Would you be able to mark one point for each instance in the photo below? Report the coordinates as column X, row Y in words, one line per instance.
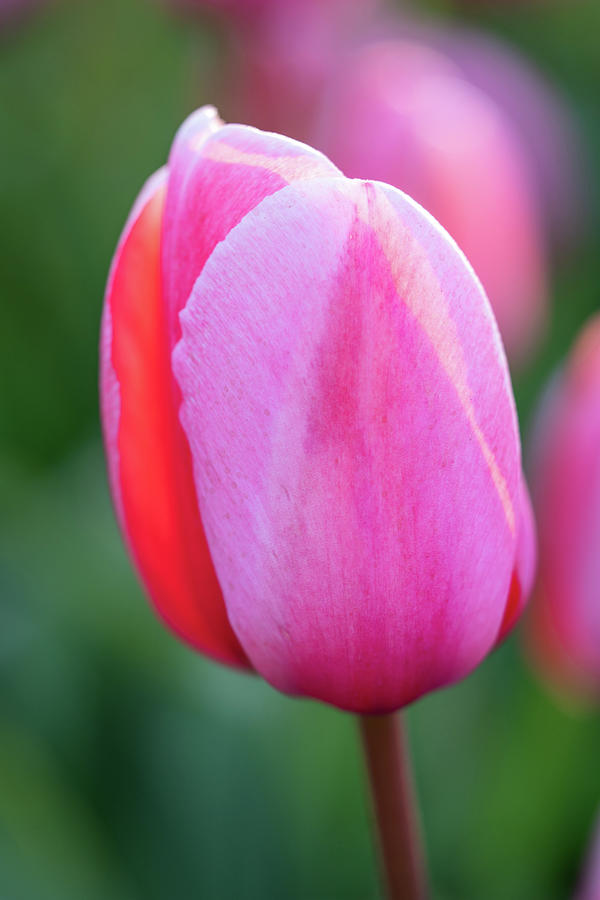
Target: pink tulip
column 279, row 54
column 402, row 112
column 305, row 369
column 539, row 116
column 565, row 620
column 281, row 59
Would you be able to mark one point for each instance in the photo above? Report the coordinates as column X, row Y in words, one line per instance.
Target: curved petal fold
column 218, row 173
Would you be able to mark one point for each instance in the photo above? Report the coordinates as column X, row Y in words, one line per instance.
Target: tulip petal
column 356, row 457
column 218, row 173
column 155, row 504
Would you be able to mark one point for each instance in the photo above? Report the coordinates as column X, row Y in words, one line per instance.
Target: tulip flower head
column 309, row 424
column 565, row 619
column 402, row 112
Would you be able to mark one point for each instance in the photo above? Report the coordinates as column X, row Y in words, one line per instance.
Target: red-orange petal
column 523, row 576
column 148, row 456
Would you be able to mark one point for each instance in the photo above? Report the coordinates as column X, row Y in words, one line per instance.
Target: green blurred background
column 130, row 767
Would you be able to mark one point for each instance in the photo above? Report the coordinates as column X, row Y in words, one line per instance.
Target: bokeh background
column 130, row 767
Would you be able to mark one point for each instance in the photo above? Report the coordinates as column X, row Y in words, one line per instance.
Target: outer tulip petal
column 110, row 397
column 218, row 173
column 355, row 448
column 157, row 510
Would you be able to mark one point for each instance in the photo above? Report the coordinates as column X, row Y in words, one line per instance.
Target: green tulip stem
column 394, row 808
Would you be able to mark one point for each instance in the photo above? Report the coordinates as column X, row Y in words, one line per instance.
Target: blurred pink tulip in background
column 402, row 112
column 454, row 117
column 348, row 426
column 565, row 461
column 280, row 61
column 541, row 118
